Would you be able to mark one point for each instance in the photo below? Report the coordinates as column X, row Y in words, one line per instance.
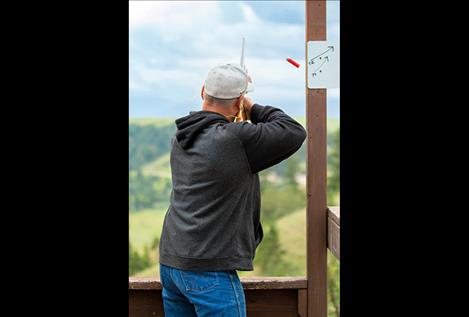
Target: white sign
column 323, row 64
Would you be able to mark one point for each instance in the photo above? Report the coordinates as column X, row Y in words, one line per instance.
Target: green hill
column 148, row 142
column 144, row 226
column 158, row 122
column 332, row 123
column 292, row 236
column 159, row 167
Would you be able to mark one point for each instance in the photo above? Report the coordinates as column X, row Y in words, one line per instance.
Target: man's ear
column 202, row 92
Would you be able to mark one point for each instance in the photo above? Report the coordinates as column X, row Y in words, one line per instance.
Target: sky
column 173, row 44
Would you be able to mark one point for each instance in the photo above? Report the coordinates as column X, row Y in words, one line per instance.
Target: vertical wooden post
column 316, row 177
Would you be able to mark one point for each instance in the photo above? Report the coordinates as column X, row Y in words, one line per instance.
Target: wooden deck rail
column 333, row 230
column 265, row 296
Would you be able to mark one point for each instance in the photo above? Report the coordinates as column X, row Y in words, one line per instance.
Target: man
column 212, row 227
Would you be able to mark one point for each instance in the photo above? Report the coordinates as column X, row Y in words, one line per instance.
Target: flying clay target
column 297, row 65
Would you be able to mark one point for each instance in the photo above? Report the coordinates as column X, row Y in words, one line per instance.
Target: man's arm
column 273, row 136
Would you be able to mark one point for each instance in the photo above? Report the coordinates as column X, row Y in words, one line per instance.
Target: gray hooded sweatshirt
column 213, row 221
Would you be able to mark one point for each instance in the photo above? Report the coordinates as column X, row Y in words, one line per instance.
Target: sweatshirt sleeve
column 272, row 137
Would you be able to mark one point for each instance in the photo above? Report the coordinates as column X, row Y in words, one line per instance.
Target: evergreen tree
column 269, row 254
column 138, row 262
column 156, row 242
column 292, row 171
column 333, row 168
column 141, row 191
column 333, row 285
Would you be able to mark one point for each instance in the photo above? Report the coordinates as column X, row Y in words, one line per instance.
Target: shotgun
column 242, row 114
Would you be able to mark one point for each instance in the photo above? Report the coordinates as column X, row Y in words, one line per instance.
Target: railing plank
column 334, row 214
column 333, row 231
column 249, row 283
column 259, row 303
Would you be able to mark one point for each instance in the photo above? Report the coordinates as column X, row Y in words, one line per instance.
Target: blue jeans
column 201, row 294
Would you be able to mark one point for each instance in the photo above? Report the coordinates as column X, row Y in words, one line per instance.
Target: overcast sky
column 173, row 44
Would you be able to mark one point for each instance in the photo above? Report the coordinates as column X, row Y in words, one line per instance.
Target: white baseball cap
column 227, row 81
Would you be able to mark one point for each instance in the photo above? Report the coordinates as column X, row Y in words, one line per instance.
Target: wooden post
column 316, row 177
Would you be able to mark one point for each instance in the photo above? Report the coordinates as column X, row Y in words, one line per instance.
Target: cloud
column 280, row 11
column 176, row 14
column 334, row 93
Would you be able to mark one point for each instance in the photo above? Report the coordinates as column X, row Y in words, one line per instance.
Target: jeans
column 202, row 294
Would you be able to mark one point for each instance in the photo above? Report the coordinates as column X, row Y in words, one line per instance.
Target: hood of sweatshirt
column 189, row 127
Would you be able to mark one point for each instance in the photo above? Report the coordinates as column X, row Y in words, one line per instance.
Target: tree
column 269, row 255
column 138, row 262
column 141, row 191
column 148, row 142
column 333, row 265
column 155, row 243
column 333, row 285
column 292, row 171
column 333, row 180
column 280, row 201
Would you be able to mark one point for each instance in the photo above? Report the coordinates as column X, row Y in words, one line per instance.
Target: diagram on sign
column 319, row 60
column 323, row 64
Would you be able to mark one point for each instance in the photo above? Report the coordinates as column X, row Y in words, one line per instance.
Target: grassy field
column 292, row 236
column 159, row 167
column 145, row 225
column 152, row 121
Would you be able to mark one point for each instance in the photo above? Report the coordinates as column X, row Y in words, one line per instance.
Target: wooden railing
column 265, row 296
column 333, row 230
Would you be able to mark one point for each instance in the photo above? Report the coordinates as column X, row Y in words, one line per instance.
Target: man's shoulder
column 240, row 130
column 222, row 134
